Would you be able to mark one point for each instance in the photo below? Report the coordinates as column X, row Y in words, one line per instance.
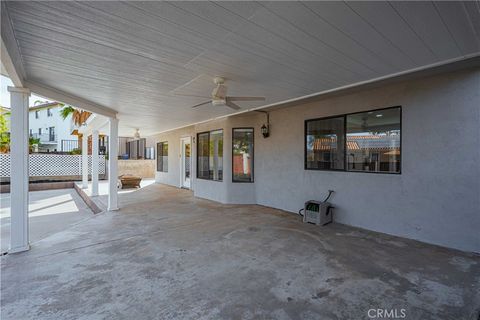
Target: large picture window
column 325, row 144
column 242, row 154
column 365, row 141
column 162, row 156
column 136, row 149
column 210, row 155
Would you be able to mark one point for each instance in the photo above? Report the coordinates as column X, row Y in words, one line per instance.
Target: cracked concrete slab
column 168, row 255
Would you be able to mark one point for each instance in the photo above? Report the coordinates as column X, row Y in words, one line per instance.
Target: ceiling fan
column 220, row 98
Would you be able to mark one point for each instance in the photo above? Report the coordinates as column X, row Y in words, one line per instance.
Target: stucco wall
column 436, row 199
column 172, row 177
column 139, row 168
column 224, row 191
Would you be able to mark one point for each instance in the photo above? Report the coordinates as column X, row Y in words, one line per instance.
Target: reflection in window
column 210, row 155
column 325, row 144
column 242, row 162
column 162, row 156
column 187, row 160
column 202, row 155
column 149, row 153
column 136, row 148
column 373, row 141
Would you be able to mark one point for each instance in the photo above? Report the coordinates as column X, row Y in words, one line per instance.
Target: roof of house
column 45, row 105
column 377, row 142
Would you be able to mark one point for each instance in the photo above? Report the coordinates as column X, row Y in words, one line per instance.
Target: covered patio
column 252, row 111
column 169, row 255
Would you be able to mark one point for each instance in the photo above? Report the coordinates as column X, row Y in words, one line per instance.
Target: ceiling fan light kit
column 220, row 98
column 136, row 135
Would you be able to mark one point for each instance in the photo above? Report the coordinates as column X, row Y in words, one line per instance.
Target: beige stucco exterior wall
column 435, row 199
column 139, row 168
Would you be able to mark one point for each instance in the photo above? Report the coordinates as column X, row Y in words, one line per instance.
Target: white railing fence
column 48, row 165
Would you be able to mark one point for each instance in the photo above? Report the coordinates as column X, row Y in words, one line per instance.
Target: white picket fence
column 48, row 165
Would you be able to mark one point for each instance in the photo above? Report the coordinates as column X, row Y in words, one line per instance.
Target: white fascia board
column 59, row 95
column 9, row 52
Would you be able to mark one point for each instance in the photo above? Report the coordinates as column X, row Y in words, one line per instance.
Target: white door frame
column 182, row 165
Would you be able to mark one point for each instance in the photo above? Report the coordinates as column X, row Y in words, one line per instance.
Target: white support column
column 112, row 164
column 85, row 161
column 95, row 163
column 19, row 152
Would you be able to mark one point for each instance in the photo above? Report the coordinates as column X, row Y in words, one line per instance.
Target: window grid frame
column 253, row 155
column 345, row 160
column 161, row 157
column 208, row 158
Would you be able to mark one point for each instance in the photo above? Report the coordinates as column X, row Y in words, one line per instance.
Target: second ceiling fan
column 220, row 98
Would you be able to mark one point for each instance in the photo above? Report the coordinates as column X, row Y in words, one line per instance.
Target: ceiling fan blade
column 232, row 105
column 201, row 104
column 190, row 95
column 246, row 98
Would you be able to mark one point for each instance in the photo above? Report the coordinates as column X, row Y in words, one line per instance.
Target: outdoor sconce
column 265, row 129
column 265, row 132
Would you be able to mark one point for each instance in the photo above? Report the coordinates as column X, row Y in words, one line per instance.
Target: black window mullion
column 345, row 160
column 208, row 156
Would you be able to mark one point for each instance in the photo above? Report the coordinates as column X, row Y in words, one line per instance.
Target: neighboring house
column 54, row 132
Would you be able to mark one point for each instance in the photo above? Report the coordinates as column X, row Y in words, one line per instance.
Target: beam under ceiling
column 9, row 53
column 60, row 96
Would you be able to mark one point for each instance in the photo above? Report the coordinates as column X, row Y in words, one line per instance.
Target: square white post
column 19, row 153
column 84, row 161
column 95, row 163
column 112, row 164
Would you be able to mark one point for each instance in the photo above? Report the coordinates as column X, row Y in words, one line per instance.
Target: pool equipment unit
column 318, row 212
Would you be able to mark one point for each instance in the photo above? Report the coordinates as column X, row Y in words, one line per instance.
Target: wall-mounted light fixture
column 265, row 132
column 265, row 129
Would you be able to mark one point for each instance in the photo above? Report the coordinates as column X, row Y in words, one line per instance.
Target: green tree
column 4, row 134
column 79, row 117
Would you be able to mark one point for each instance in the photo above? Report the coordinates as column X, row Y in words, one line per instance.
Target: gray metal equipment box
column 320, row 213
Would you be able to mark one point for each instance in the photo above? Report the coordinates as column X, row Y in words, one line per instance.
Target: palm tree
column 79, row 117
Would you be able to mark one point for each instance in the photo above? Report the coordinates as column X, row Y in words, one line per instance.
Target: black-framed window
column 242, row 154
column 162, row 156
column 49, row 112
column 37, row 114
column 149, row 153
column 367, row 141
column 210, row 155
column 136, row 149
column 51, row 134
column 324, row 143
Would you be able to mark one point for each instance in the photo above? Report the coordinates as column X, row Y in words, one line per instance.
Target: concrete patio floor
column 50, row 211
column 102, row 199
column 168, row 255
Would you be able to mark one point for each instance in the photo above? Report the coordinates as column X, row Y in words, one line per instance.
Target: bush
column 76, row 151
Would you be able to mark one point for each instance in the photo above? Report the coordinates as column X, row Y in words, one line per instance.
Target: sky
column 5, row 95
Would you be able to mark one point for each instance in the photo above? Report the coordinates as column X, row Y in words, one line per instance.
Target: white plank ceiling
column 147, row 59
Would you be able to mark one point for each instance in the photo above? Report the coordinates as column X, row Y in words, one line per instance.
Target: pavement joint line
column 107, row 241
